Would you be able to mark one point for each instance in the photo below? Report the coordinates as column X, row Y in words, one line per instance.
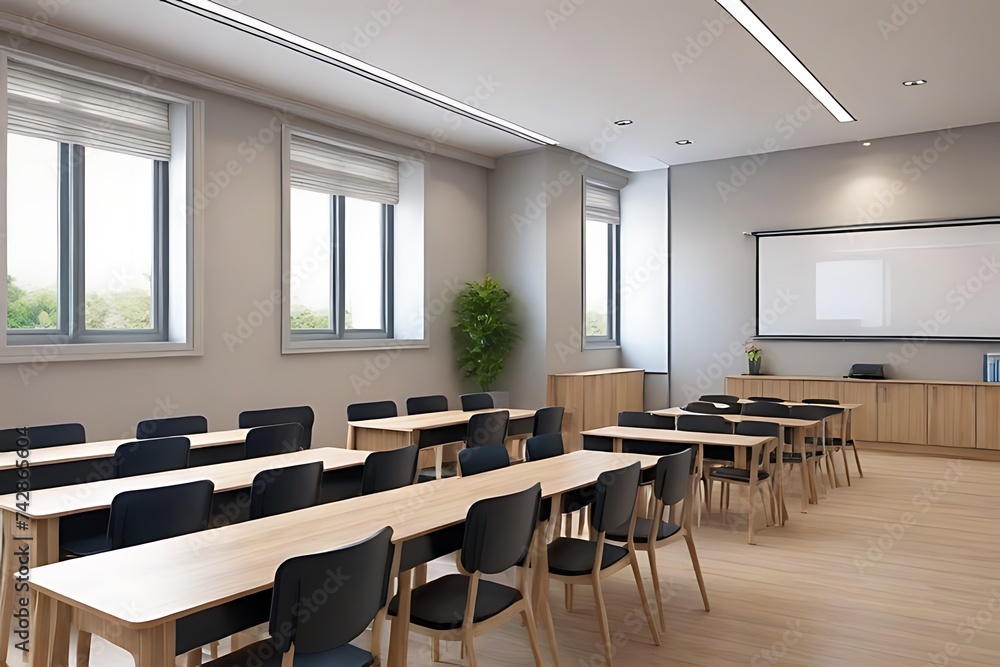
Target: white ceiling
column 567, row 75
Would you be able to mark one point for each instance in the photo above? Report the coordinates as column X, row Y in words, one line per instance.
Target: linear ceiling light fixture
column 256, row 27
column 749, row 20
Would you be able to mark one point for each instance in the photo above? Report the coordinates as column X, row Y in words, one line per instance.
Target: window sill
column 601, row 345
column 43, row 354
column 351, row 345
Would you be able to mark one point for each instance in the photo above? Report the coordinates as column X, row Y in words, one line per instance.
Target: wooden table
column 90, row 461
column 114, row 595
column 45, row 508
column 798, row 428
column 432, row 429
column 699, row 440
column 846, row 408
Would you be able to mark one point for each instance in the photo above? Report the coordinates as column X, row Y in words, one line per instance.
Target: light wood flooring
column 903, row 568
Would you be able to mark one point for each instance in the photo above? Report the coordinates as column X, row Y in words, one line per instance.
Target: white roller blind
column 340, row 171
column 51, row 105
column 602, row 203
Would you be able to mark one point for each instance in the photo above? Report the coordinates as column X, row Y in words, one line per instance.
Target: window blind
column 602, row 204
column 336, row 170
column 46, row 104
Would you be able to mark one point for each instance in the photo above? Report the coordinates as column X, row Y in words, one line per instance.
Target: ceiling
column 567, row 68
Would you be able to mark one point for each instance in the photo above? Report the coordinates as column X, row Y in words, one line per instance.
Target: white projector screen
column 928, row 281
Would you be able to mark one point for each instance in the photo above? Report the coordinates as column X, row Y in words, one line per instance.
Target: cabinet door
column 752, row 388
column 864, row 420
column 628, row 393
column 951, row 415
column 902, row 413
column 735, row 387
column 567, row 391
column 988, row 418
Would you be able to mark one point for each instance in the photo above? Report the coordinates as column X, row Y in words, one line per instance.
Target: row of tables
column 135, row 597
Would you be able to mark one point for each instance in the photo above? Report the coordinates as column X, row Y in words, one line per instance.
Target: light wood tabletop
column 106, row 448
column 408, row 423
column 196, row 572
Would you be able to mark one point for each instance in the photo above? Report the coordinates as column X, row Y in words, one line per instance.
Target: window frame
column 338, row 282
column 612, row 339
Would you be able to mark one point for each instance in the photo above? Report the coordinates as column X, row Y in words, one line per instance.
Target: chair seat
column 87, row 546
column 265, row 654
column 830, row 442
column 792, row 457
column 737, row 474
column 570, row 557
column 642, row 526
column 440, row 604
column 448, row 469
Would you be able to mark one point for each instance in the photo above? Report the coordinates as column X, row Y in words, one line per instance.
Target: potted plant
column 485, row 331
column 753, row 356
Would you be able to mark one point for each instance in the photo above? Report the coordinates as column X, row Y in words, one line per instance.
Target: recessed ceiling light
column 749, row 20
column 250, row 25
column 684, row 142
column 623, row 122
column 915, row 82
column 867, row 143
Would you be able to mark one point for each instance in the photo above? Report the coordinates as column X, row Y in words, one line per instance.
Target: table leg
column 155, row 646
column 799, row 437
column 754, row 467
column 616, row 445
column 399, row 642
column 779, row 473
column 39, row 540
column 699, row 471
column 350, row 437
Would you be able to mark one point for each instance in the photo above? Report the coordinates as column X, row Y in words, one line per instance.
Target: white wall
column 952, row 174
column 242, row 259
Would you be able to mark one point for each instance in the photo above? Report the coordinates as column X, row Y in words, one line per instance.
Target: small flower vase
column 754, row 366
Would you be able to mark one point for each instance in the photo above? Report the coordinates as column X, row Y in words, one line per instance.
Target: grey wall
column 952, row 174
column 241, row 251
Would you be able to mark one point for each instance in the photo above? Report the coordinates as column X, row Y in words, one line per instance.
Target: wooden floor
column 903, row 568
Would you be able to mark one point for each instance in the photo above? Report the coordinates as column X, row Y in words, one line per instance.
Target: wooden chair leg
column 529, row 622
column 438, row 461
column 213, row 650
column 550, row 627
column 654, row 573
column 857, row 461
column 708, row 495
column 435, row 649
column 645, row 600
column 193, row 658
column 847, row 470
column 83, row 640
column 602, row 619
column 470, row 649
column 697, row 568
column 569, row 597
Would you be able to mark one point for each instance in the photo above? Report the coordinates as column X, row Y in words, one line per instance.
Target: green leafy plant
column 485, row 332
column 753, row 352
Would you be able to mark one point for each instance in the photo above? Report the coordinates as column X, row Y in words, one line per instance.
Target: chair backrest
column 302, row 414
column 759, row 429
column 720, row 398
column 147, row 515
column 39, row 437
column 354, row 580
column 482, row 459
column 645, row 420
column 544, row 446
column 390, row 469
column 498, row 531
column 821, row 401
column 274, row 439
column 765, row 409
column 704, row 424
column 287, row 489
column 548, row 420
column 421, row 405
column 812, row 411
column 615, row 502
column 145, row 457
column 706, row 408
column 767, row 399
column 487, row 428
column 359, row 412
column 673, row 476
column 170, row 427
column 477, row 401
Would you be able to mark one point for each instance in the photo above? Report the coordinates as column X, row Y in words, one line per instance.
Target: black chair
column 359, row 412
column 579, row 561
column 147, row 515
column 298, row 415
column 39, row 437
column 548, row 446
column 482, row 459
column 548, row 420
column 734, row 475
column 647, row 420
column 487, row 428
column 477, row 401
column 712, row 455
column 170, row 427
column 390, row 469
column 767, row 399
column 421, row 405
column 822, row 445
column 274, row 440
column 145, row 457
column 498, row 536
column 706, row 408
column 322, row 627
column 671, row 489
column 544, row 446
column 766, row 409
column 840, row 442
column 720, row 398
column 288, row 489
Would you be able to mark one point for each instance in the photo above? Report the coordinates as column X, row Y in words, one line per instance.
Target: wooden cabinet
column 988, row 418
column 864, row 424
column 594, row 398
column 951, row 415
column 902, row 413
column 745, row 387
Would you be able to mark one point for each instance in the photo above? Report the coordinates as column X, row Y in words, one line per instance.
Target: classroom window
column 341, row 211
column 600, row 264
column 86, row 214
